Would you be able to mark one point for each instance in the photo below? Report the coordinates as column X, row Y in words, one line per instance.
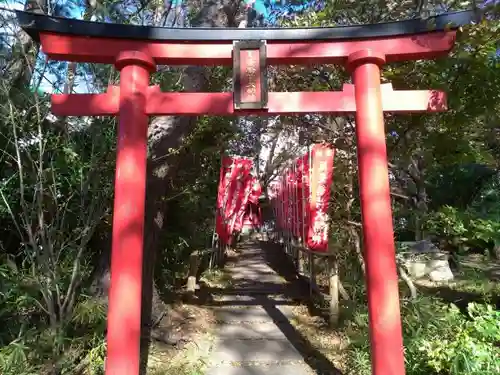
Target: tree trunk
column 167, row 133
column 20, row 70
column 496, row 252
column 354, row 237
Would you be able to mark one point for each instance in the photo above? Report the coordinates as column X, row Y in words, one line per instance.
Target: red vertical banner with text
column 275, row 192
column 306, row 195
column 232, row 196
column 289, row 183
column 244, row 188
column 283, row 198
column 233, row 191
column 299, row 200
column 295, row 228
column 251, row 214
column 285, row 202
column 276, row 204
column 292, row 199
column 254, row 201
column 281, row 203
column 271, row 193
column 321, row 180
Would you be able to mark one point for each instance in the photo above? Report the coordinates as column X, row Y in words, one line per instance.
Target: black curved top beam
column 34, row 24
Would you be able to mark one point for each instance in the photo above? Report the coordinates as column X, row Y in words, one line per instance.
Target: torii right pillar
column 378, row 234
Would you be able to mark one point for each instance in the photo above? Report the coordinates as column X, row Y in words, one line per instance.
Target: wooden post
column 194, row 263
column 333, row 267
column 312, row 273
column 300, row 260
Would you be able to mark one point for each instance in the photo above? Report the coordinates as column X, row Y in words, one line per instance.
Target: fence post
column 312, row 273
column 300, row 260
column 333, row 268
column 194, row 262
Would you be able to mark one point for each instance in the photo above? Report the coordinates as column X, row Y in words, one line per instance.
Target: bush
column 463, row 230
column 438, row 339
column 469, row 347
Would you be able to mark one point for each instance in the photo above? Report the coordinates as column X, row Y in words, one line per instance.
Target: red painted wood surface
column 102, row 50
column 378, row 235
column 125, row 292
column 199, row 103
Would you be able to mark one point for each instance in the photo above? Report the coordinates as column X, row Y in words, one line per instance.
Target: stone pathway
column 253, row 336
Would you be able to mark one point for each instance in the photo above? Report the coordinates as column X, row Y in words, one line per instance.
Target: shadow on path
column 284, row 266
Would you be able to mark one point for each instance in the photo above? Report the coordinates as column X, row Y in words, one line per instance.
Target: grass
column 217, row 278
column 192, row 360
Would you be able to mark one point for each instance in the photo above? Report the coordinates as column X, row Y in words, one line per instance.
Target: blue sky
column 74, row 11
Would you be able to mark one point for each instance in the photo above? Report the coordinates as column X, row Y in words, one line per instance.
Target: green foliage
column 28, row 345
column 449, row 223
column 191, row 205
column 438, row 339
column 463, row 230
column 468, row 347
column 458, row 185
column 55, row 192
column 486, row 203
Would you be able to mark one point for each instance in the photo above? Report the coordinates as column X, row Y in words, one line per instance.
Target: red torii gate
column 135, row 51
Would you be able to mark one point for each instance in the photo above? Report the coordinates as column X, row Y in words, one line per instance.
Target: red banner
column 289, row 200
column 234, row 173
column 321, row 180
column 301, row 195
column 300, row 199
column 244, row 186
column 253, row 208
column 237, row 187
column 255, row 192
column 293, row 187
column 306, row 196
column 252, row 216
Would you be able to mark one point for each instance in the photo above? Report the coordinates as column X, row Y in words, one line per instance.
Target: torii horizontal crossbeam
column 75, row 40
column 105, row 50
column 35, row 24
column 221, row 103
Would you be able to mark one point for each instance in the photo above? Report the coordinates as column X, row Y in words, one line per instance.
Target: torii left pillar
column 124, row 310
